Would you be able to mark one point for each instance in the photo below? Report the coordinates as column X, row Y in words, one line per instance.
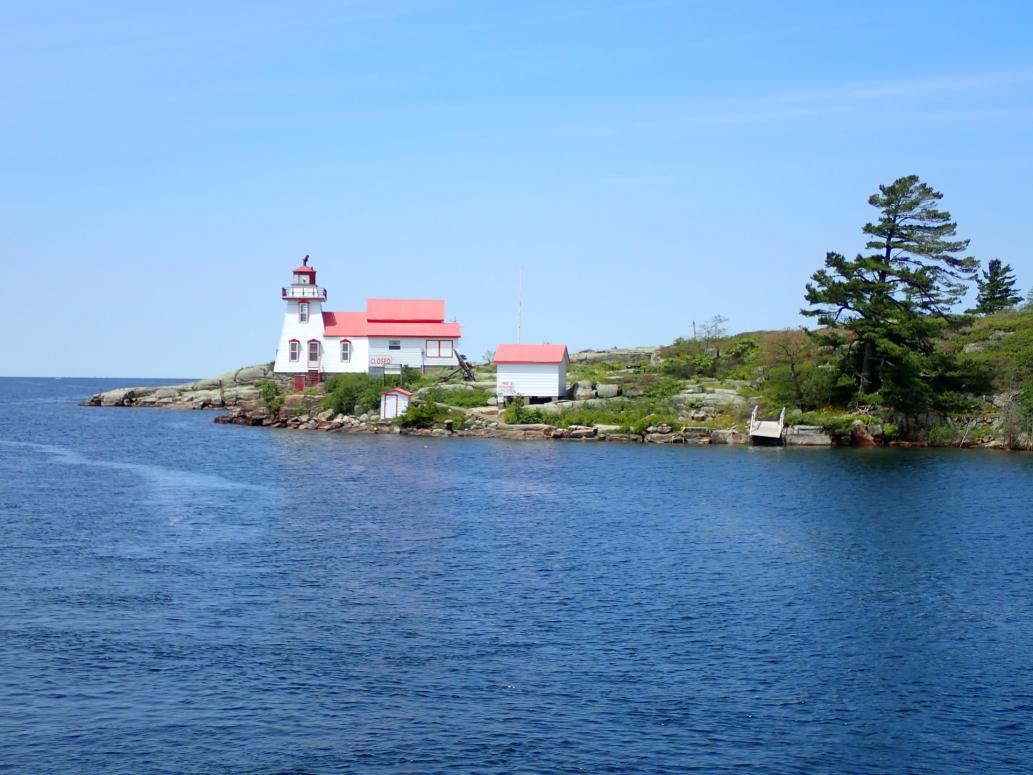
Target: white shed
column 531, row 370
column 394, row 402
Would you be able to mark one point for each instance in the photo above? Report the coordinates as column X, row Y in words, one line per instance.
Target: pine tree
column 996, row 289
column 888, row 298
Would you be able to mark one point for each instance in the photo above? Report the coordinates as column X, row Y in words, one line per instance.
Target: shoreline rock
column 234, row 388
column 237, row 391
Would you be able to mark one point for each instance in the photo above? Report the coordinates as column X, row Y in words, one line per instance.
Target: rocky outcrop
column 621, row 355
column 808, row 436
column 234, row 388
column 728, row 436
column 701, row 403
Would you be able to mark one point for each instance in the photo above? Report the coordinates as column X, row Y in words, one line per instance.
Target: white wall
column 366, row 352
column 411, row 353
column 531, row 379
column 294, row 329
column 388, row 407
column 332, row 363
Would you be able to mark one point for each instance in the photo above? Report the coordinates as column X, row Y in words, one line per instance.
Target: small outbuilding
column 531, row 370
column 394, row 403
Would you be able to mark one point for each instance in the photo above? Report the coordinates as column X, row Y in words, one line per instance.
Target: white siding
column 393, row 405
column 411, row 354
column 293, row 328
column 332, row 363
column 531, row 379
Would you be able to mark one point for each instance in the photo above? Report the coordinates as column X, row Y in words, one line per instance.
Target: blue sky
column 645, row 164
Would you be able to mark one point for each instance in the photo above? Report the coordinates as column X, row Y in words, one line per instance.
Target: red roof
column 403, row 391
column 344, row 324
column 304, row 270
column 433, row 330
column 356, row 324
column 406, row 310
column 530, row 353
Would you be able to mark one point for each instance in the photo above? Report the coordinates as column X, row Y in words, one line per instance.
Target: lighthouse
column 301, row 338
column 391, row 334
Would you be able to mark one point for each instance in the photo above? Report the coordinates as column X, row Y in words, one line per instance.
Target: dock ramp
column 767, row 432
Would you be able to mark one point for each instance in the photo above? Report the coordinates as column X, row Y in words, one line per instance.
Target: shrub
column 466, row 396
column 353, row 393
column 833, row 423
column 427, row 414
column 270, row 395
column 516, row 413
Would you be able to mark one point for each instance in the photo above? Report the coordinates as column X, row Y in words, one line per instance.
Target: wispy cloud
column 922, row 87
column 983, row 96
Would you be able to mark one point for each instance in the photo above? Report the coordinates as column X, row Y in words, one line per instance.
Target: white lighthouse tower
column 301, row 339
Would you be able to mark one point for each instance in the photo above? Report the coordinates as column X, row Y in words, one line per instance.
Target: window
column 346, row 350
column 439, row 348
column 313, row 351
column 295, row 351
column 394, row 344
column 303, row 312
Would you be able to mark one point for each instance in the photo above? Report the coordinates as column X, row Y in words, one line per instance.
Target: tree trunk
column 868, row 368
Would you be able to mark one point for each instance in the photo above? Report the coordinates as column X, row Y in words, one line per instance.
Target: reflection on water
column 181, row 596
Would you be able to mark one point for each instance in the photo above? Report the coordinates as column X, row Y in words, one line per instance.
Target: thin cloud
column 911, row 88
column 848, row 99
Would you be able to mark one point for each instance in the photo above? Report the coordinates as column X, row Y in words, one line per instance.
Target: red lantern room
column 303, row 284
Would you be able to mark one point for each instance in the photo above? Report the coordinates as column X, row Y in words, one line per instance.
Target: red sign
column 382, row 361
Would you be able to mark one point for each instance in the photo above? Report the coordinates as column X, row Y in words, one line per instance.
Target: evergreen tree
column 996, row 289
column 890, row 298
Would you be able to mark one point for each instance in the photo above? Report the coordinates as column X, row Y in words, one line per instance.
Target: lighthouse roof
column 304, row 270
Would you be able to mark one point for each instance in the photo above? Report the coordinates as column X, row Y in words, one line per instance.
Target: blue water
column 178, row 596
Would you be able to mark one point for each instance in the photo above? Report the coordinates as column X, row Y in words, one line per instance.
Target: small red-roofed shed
column 394, row 403
column 531, row 370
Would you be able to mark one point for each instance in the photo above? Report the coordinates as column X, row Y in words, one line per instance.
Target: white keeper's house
column 531, row 370
column 389, row 334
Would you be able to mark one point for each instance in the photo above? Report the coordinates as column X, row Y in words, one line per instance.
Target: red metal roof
column 344, row 324
column 304, row 270
column 356, row 324
column 406, row 310
column 530, row 353
column 403, row 391
column 432, row 330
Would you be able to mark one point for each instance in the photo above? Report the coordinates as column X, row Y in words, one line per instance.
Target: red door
column 299, row 383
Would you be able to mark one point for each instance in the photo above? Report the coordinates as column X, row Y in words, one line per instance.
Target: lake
column 180, row 596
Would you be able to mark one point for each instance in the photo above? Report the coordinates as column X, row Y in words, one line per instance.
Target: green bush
column 516, row 413
column 833, row 423
column 270, row 395
column 466, row 396
column 427, row 414
column 353, row 393
column 944, row 435
column 628, row 416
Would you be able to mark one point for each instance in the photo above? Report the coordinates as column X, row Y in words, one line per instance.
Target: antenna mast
column 520, row 307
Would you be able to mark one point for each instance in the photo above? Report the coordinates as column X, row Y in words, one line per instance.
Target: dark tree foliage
column 996, row 289
column 893, row 299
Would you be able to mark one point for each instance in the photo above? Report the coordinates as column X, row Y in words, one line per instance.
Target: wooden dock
column 767, row 432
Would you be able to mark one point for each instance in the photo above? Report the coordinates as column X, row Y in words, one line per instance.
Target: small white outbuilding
column 394, row 402
column 531, row 370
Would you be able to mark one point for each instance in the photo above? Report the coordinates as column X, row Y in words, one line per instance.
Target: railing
column 303, row 292
column 757, row 425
